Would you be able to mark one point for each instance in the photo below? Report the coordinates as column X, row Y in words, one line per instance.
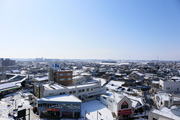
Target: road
column 148, row 99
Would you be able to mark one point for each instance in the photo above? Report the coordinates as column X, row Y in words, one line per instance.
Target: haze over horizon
column 67, row 29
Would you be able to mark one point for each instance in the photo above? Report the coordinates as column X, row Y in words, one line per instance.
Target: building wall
column 52, row 109
column 79, row 80
column 64, row 78
column 110, row 103
column 170, row 86
column 116, row 107
column 61, row 77
column 80, row 92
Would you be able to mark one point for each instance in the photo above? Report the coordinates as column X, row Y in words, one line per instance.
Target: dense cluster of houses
column 127, row 89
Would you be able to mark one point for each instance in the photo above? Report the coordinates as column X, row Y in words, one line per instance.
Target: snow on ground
column 95, row 109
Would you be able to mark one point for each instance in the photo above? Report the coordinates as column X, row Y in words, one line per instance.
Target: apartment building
column 63, row 77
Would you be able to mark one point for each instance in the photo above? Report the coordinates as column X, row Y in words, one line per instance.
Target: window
column 68, row 78
column 91, row 89
column 167, row 88
column 79, row 90
column 63, row 93
column 124, row 105
column 82, row 90
column 44, row 105
column 76, row 114
column 62, row 79
column 50, row 105
column 74, row 91
column 87, row 89
column 177, row 88
column 40, row 105
column 61, row 74
column 104, row 97
column 68, row 74
column 70, row 92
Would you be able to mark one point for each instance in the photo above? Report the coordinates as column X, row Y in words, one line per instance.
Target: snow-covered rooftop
column 155, row 82
column 164, row 96
column 61, row 98
column 113, row 85
column 8, row 85
column 41, row 78
column 173, row 113
column 103, row 81
column 53, row 86
column 80, row 86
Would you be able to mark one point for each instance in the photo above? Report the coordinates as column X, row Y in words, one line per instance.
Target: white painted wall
column 170, row 86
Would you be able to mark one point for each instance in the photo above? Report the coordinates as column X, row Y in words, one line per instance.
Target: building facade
column 57, row 107
column 118, row 104
column 170, row 85
column 63, row 77
column 83, row 92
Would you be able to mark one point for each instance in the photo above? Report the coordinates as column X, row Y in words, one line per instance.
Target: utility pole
column 85, row 114
column 97, row 115
column 29, row 113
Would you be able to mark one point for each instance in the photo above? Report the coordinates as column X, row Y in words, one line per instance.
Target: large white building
column 170, row 85
column 88, row 91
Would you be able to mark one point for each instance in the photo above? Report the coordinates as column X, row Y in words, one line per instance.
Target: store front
column 60, row 109
column 125, row 111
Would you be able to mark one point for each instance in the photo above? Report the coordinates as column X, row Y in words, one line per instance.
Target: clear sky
column 90, row 29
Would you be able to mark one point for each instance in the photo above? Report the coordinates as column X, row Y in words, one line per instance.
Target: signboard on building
column 52, row 109
column 125, row 112
column 37, row 92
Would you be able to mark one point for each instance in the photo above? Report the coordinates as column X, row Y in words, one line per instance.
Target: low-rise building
column 119, row 104
column 166, row 100
column 7, row 88
column 165, row 114
column 85, row 92
column 61, row 106
column 63, row 77
column 170, row 85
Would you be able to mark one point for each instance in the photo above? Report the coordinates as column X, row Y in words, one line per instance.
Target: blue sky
column 90, row 29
